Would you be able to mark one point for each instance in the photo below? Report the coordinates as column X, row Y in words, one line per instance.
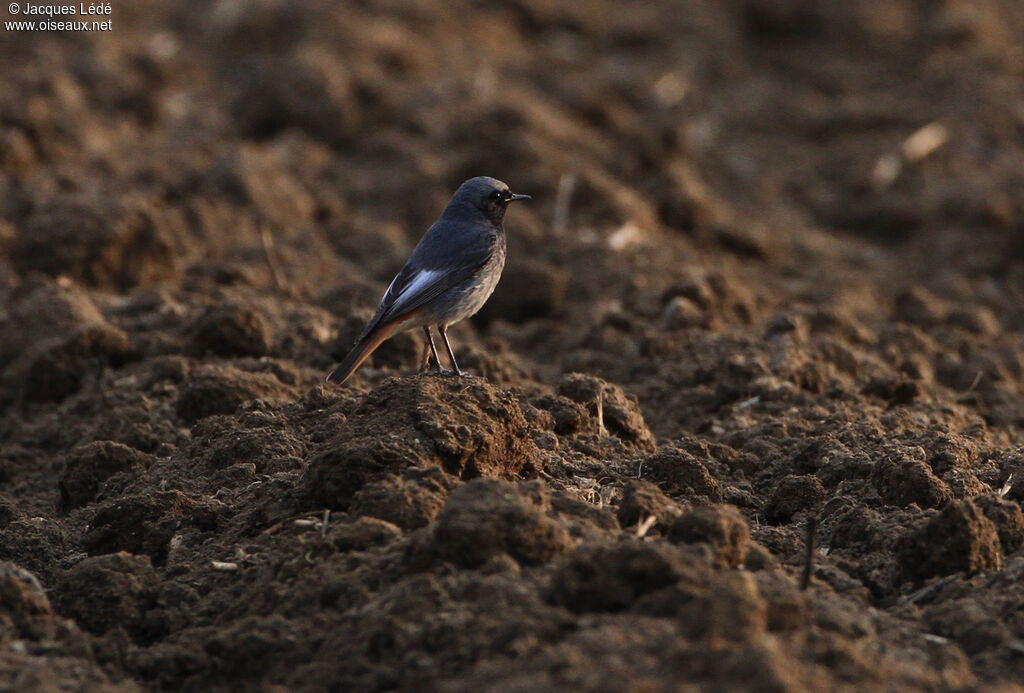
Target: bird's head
column 484, row 195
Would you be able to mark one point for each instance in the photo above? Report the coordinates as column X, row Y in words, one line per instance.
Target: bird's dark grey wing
column 443, row 259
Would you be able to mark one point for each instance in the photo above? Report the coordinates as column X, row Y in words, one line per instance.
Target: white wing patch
column 390, row 286
column 418, row 283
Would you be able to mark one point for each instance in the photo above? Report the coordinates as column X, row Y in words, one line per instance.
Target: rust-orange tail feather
column 360, row 352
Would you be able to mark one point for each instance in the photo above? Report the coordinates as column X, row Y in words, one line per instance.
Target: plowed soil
column 762, row 325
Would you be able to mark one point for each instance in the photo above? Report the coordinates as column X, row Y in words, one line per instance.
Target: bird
column 449, row 276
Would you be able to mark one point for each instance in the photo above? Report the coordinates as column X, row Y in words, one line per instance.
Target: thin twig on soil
column 270, row 253
column 928, row 590
column 812, row 528
column 563, row 198
column 974, row 383
column 1007, row 485
column 645, row 526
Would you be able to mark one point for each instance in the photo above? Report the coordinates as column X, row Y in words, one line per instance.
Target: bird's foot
column 445, row 373
column 440, row 372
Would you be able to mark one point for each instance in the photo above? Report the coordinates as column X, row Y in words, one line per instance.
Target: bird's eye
column 496, row 195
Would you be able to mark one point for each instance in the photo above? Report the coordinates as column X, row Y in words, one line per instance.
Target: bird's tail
column 360, row 352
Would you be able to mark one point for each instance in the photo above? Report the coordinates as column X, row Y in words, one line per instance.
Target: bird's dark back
column 457, row 240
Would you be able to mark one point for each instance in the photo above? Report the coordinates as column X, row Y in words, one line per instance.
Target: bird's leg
column 428, row 348
column 425, row 358
column 451, row 354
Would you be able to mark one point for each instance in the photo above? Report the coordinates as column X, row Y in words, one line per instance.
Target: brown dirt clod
column 232, row 330
column 680, row 474
column 222, row 389
column 109, row 591
column 614, row 578
column 488, row 517
column 902, row 481
column 641, row 500
column 793, row 494
column 467, row 427
column 89, row 465
column 721, row 527
column 145, row 524
column 619, row 412
column 960, row 538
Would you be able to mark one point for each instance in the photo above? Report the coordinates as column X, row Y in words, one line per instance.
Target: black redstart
column 449, row 276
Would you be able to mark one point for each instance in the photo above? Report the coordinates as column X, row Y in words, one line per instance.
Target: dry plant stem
column 563, row 199
column 270, row 253
column 812, row 528
column 930, row 589
column 644, row 527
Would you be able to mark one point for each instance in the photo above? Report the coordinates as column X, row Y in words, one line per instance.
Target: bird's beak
column 516, row 198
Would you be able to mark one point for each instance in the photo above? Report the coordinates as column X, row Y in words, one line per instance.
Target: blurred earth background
column 773, row 273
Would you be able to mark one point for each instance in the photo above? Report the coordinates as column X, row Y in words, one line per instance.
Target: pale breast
column 466, row 299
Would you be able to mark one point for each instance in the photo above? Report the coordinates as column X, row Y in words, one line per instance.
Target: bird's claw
column 445, row 373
